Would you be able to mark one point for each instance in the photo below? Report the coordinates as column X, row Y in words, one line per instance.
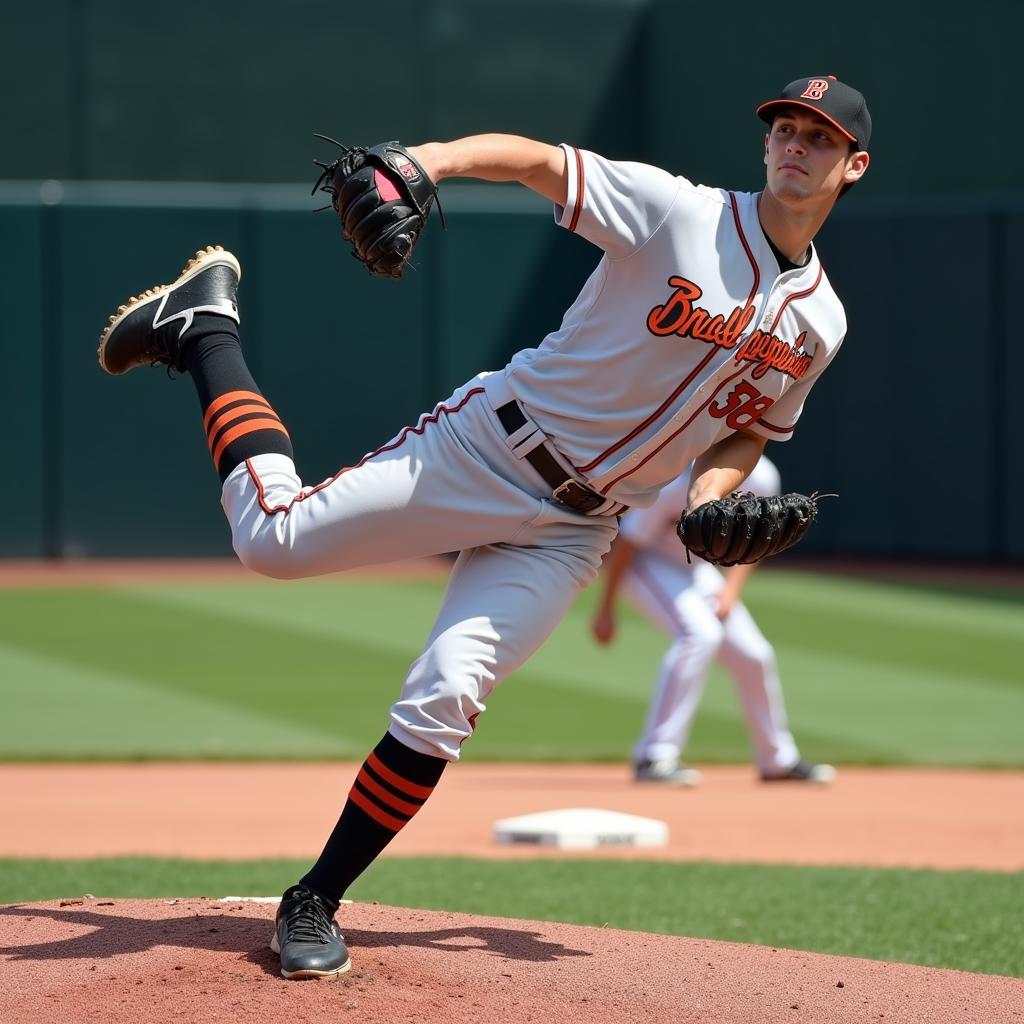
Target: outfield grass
column 971, row 921
column 873, row 673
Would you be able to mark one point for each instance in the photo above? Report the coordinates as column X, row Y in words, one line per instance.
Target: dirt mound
column 204, row 960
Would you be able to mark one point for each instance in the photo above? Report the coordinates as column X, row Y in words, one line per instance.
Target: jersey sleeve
column 642, row 527
column 616, row 205
column 779, row 422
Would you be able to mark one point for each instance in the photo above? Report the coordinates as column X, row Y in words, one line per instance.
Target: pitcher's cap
column 837, row 103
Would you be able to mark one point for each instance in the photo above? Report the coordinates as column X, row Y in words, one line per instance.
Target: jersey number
column 743, row 406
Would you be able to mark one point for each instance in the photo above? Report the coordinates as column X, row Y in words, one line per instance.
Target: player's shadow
column 513, row 943
column 112, row 935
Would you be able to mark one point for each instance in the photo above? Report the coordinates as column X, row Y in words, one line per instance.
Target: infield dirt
column 871, row 817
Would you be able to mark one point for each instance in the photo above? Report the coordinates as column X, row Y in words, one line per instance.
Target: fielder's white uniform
column 686, row 332
column 680, row 599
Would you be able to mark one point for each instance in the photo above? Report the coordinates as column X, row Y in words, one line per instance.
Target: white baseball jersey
column 686, row 331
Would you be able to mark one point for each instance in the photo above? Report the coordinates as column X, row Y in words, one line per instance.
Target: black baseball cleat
column 308, row 940
column 150, row 328
column 804, row 771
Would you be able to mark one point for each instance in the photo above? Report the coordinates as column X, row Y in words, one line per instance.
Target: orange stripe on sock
column 241, row 430
column 227, row 399
column 381, row 817
column 407, row 787
column 364, row 779
column 232, row 414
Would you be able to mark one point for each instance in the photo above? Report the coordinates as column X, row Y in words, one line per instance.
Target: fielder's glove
column 382, row 197
column 745, row 528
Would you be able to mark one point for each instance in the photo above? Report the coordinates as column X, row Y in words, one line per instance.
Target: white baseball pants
column 451, row 483
column 680, row 599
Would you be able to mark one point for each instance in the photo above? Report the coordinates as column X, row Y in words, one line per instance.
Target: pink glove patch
column 385, row 186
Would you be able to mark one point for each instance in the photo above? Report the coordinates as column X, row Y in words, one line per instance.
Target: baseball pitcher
column 699, row 336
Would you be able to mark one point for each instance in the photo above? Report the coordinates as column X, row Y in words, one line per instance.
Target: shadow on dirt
column 222, row 930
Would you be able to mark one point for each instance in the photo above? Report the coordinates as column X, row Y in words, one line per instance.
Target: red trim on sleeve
column 580, row 186
column 771, row 426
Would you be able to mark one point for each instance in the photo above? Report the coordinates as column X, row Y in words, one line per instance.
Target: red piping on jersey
column 796, row 295
column 640, row 427
column 654, row 415
column 303, row 495
column 778, row 316
column 743, row 239
column 778, row 430
column 580, row 183
column 647, row 458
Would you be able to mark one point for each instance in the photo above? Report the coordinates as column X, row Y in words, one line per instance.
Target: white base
column 581, row 828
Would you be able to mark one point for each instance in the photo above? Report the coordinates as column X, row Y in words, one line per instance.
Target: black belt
column 565, row 489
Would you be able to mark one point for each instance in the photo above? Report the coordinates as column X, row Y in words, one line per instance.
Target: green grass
column 872, row 672
column 971, row 921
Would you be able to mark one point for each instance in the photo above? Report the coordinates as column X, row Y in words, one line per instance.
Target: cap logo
column 816, row 89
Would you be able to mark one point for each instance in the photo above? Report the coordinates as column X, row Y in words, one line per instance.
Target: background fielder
column 708, row 310
column 701, row 610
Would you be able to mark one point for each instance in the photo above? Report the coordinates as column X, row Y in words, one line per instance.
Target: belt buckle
column 577, row 497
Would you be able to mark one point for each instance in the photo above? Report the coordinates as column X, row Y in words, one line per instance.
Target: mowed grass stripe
column 970, row 921
column 57, row 711
column 967, row 636
column 307, row 679
column 316, row 683
column 330, row 656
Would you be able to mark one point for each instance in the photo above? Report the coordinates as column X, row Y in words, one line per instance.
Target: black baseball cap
column 837, row 103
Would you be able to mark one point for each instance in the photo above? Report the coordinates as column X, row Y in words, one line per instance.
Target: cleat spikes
column 132, row 338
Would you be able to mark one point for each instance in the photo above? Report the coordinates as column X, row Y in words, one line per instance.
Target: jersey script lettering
column 681, row 316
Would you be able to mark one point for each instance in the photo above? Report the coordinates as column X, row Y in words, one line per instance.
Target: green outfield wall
column 114, row 89
column 111, row 109
column 919, row 411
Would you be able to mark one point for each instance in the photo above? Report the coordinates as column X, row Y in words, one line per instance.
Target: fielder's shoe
column 150, row 328
column 804, row 771
column 666, row 772
column 307, row 938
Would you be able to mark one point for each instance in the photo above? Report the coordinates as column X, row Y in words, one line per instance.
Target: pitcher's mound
column 202, row 961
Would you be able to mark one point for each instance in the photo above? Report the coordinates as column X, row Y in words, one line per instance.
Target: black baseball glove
column 745, row 528
column 382, row 197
